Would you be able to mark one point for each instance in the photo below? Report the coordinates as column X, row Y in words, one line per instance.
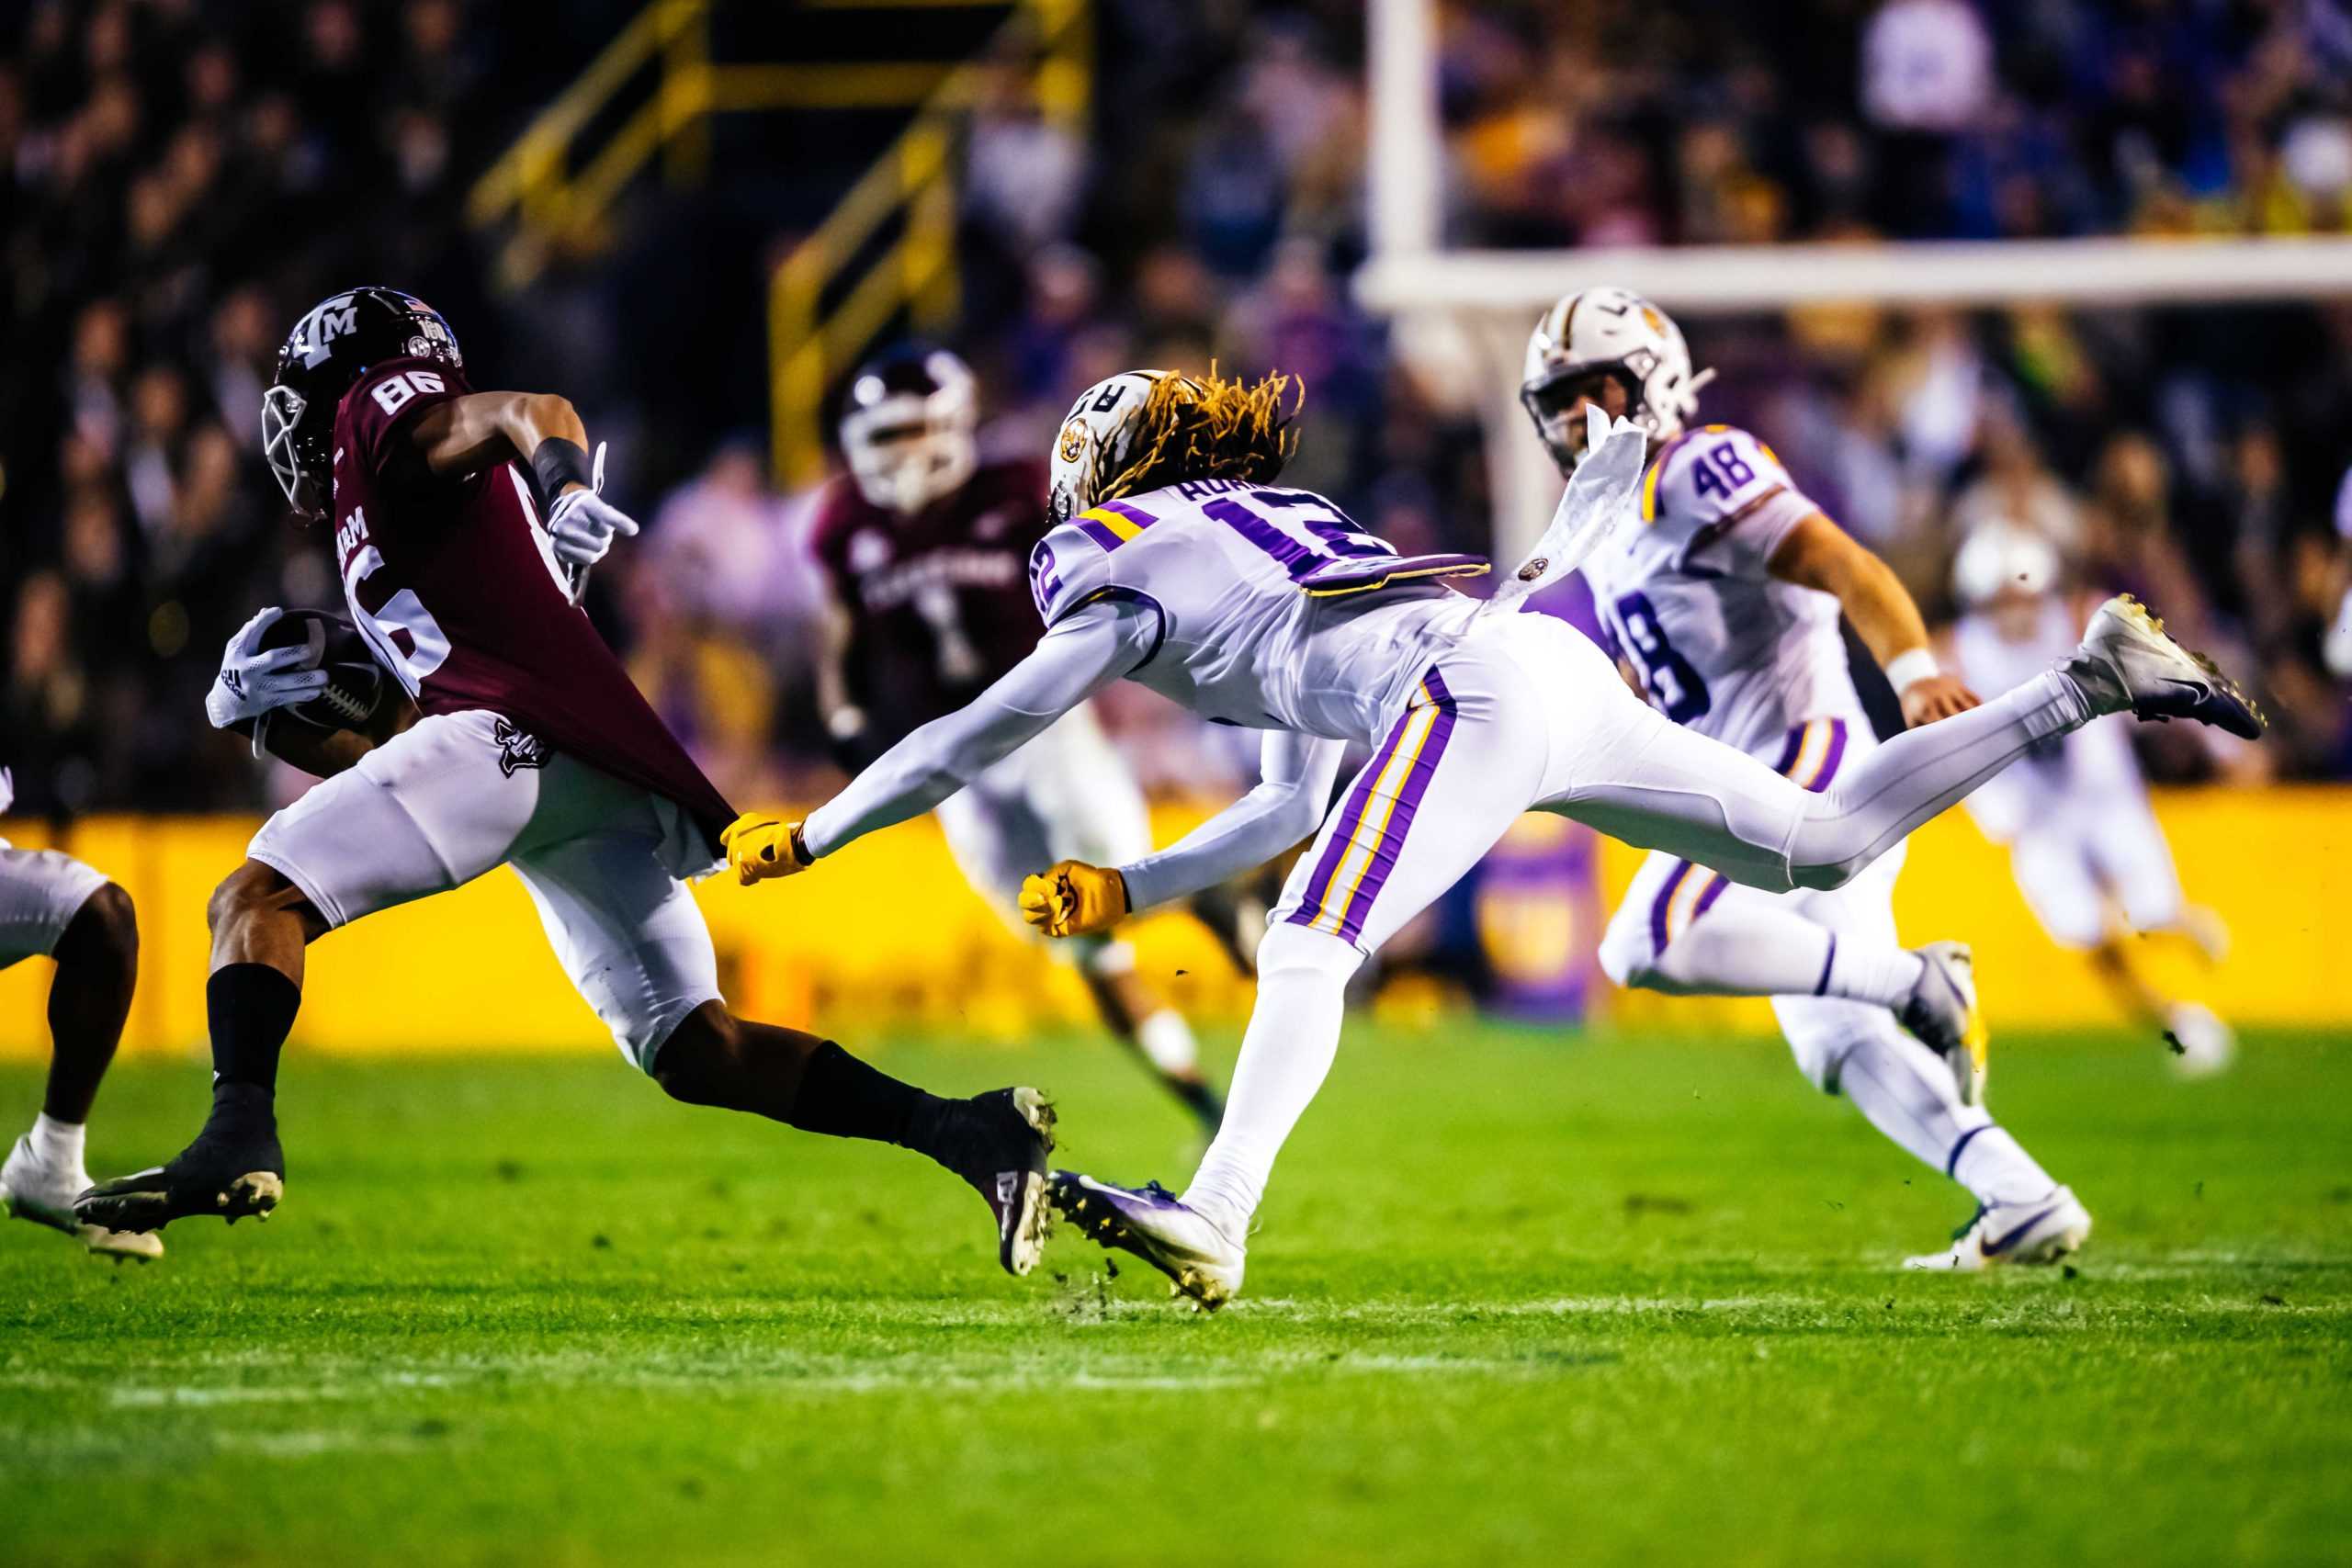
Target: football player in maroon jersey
column 924, row 550
column 464, row 523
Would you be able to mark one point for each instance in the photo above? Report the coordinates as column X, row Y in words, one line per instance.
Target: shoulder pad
column 1709, row 474
column 1069, row 567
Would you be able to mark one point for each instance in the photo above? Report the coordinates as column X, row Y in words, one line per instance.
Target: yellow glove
column 1074, row 899
column 759, row 847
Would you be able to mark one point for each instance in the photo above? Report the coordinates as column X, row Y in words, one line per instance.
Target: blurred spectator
column 183, row 179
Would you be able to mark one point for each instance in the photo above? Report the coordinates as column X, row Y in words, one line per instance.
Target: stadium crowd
column 163, row 229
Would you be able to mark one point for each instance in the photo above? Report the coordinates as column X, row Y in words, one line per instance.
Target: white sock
column 1166, row 1041
column 1876, row 972
column 1909, row 1096
column 1992, row 1165
column 1917, row 773
column 55, row 1141
column 1287, row 1053
column 1751, row 944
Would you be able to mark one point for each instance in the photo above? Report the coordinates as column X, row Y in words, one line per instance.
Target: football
column 358, row 687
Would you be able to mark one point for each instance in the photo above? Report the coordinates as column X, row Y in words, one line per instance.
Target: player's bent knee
column 1822, row 875
column 105, row 930
column 240, row 893
column 1294, row 949
column 701, row 1062
column 255, row 891
column 1625, row 955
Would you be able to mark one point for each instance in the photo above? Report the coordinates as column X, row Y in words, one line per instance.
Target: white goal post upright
column 1463, row 317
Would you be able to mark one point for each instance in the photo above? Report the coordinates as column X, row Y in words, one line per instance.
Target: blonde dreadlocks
column 1210, row 428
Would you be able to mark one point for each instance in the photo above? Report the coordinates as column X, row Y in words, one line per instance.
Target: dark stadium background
column 183, row 177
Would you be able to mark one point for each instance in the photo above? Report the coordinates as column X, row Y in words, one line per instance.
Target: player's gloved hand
column 1073, row 898
column 761, row 846
column 581, row 526
column 8, row 791
column 254, row 680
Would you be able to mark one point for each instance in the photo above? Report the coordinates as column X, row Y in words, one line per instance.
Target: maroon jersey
column 939, row 602
column 446, row 579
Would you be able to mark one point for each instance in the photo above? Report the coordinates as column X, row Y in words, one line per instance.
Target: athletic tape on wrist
column 1906, row 670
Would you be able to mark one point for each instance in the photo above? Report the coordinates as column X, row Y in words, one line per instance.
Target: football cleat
column 998, row 1143
column 2203, row 1044
column 1157, row 1226
column 1941, row 1012
column 234, row 1168
column 2127, row 659
column 2041, row 1232
column 43, row 1193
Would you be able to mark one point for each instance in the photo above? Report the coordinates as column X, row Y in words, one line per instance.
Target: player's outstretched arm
column 1296, row 774
column 1085, row 652
column 1295, row 771
column 1819, row 554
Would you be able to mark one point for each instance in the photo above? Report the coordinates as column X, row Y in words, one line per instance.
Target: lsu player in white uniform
column 55, row 907
column 1178, row 563
column 1725, row 604
column 2087, row 851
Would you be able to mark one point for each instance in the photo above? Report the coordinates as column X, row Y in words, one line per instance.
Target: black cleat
column 998, row 1142
column 234, row 1168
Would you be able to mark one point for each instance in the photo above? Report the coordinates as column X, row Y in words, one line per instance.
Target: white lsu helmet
column 910, row 430
column 1097, row 440
column 2001, row 557
column 1617, row 332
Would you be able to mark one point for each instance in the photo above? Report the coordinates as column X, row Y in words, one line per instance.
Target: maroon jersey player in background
column 925, row 552
column 523, row 744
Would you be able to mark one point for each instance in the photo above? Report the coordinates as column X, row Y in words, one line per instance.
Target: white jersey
column 1274, row 610
column 1721, row 645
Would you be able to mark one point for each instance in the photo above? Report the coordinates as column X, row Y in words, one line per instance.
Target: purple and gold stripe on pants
column 1370, row 835
column 1683, row 899
column 1814, row 751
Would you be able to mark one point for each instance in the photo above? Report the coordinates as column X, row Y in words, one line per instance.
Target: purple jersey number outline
column 1680, row 691
column 1332, row 527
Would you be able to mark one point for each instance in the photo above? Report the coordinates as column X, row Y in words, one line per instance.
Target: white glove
column 1602, row 500
column 582, row 523
column 8, row 791
column 254, row 680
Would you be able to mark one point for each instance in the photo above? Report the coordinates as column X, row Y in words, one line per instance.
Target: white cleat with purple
column 1155, row 1224
column 2127, row 660
column 2043, row 1231
column 1941, row 1013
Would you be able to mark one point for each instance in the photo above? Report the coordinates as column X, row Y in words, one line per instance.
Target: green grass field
column 1515, row 1297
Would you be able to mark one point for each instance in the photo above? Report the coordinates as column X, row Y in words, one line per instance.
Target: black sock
column 845, row 1098
column 251, row 1007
